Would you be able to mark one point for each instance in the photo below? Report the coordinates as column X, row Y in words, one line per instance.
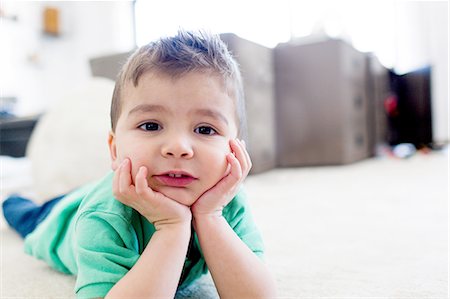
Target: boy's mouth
column 175, row 178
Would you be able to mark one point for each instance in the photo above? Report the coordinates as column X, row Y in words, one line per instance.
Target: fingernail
column 243, row 142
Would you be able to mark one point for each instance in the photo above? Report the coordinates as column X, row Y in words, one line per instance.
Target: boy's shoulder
column 99, row 198
column 84, row 207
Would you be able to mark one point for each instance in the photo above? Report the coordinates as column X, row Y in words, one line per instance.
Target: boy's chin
column 181, row 196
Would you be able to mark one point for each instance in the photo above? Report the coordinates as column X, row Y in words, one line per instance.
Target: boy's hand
column 157, row 208
column 215, row 199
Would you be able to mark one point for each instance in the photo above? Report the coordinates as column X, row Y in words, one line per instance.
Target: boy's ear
column 113, row 150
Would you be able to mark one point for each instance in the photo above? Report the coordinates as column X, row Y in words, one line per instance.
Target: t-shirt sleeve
column 106, row 249
column 239, row 217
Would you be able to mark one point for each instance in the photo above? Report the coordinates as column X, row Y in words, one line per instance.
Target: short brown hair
column 178, row 55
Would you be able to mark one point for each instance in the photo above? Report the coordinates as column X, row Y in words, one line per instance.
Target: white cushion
column 68, row 146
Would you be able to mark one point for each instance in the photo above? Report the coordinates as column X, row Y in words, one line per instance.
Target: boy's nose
column 177, row 148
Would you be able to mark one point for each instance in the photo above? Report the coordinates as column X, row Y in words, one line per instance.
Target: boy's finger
column 229, row 181
column 236, row 169
column 141, row 182
column 244, row 158
column 247, row 157
column 248, row 161
column 125, row 176
column 238, row 150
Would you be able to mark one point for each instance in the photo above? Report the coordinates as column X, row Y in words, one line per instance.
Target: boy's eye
column 150, row 126
column 205, row 130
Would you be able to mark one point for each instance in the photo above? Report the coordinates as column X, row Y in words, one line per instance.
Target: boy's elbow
column 263, row 293
column 270, row 291
column 266, row 290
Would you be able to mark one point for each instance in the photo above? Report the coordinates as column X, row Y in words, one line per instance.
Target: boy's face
column 176, row 127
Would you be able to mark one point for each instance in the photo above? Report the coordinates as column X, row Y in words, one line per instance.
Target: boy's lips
column 175, row 178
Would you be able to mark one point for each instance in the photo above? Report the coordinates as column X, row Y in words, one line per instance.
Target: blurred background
column 374, row 71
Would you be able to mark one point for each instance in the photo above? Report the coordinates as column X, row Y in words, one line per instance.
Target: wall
column 37, row 68
column 421, row 40
column 438, row 39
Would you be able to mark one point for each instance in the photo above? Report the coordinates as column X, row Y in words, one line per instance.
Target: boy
column 172, row 207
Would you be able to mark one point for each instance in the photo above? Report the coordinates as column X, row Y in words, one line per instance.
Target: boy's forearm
column 237, row 272
column 157, row 272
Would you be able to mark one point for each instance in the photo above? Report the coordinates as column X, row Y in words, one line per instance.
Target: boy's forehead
column 153, row 82
column 176, row 76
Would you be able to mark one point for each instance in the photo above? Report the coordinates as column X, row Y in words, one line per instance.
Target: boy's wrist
column 207, row 217
column 179, row 226
column 209, row 214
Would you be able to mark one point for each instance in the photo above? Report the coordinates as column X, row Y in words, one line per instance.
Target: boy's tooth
column 172, row 175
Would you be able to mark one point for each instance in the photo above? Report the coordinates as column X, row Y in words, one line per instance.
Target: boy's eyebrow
column 147, row 108
column 143, row 108
column 212, row 113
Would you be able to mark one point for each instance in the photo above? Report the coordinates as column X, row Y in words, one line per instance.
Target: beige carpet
column 377, row 228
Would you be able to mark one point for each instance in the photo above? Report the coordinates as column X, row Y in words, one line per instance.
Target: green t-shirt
column 97, row 238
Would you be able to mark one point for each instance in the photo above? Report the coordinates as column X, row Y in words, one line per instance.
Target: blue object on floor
column 23, row 215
